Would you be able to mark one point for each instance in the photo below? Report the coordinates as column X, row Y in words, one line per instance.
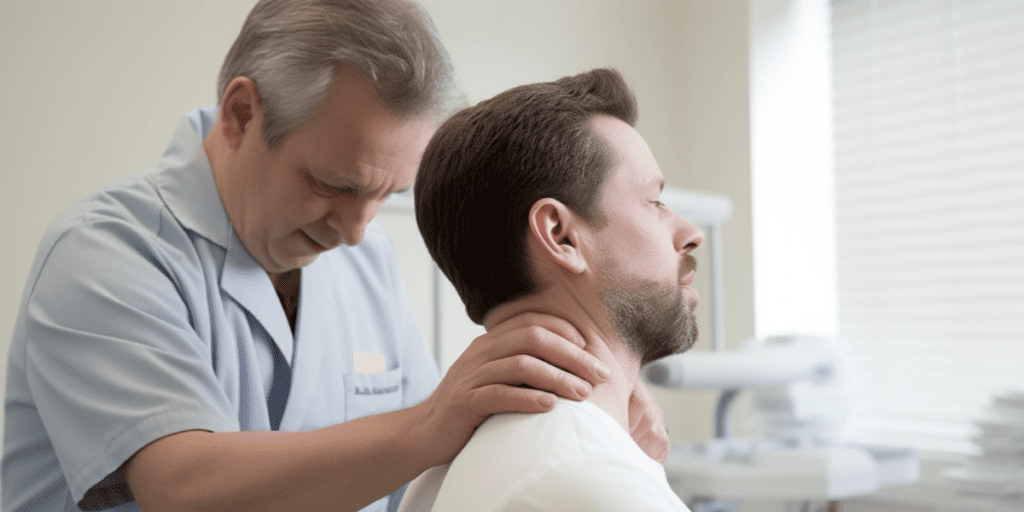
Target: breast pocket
column 369, row 394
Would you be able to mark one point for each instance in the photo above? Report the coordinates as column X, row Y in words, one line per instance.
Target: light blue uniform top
column 143, row 316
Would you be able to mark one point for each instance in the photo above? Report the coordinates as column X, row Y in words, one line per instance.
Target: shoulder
column 133, row 200
column 570, row 431
column 572, row 458
column 127, row 215
column 593, row 484
column 115, row 248
column 607, row 472
column 112, row 224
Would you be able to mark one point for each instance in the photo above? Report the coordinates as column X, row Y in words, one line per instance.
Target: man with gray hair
column 227, row 331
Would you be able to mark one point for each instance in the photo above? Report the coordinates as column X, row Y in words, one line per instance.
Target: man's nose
column 350, row 220
column 688, row 236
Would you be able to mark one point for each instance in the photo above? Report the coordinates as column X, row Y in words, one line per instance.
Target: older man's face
column 644, row 261
column 324, row 183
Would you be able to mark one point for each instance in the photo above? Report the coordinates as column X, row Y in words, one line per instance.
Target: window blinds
column 929, row 162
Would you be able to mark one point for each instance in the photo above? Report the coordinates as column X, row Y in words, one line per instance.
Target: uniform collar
column 185, row 180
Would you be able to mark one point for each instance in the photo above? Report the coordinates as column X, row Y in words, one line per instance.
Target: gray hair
column 292, row 49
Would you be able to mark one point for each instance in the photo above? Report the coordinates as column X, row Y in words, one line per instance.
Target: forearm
column 344, row 467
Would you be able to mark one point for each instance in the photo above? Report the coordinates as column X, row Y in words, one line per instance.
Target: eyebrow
column 354, row 185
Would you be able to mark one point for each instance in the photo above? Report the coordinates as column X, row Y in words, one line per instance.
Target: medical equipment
column 801, row 401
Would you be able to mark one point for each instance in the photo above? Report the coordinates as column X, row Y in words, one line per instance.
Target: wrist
column 418, row 438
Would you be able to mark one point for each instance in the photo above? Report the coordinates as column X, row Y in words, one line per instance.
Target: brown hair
column 487, row 165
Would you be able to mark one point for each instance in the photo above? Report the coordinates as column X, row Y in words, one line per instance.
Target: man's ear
column 556, row 230
column 240, row 110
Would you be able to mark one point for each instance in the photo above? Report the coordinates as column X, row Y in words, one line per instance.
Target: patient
column 545, row 199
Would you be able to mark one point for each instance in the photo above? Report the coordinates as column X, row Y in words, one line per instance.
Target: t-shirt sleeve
column 111, row 357
column 610, row 485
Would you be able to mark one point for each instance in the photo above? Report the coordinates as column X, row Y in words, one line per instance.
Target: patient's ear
column 556, row 232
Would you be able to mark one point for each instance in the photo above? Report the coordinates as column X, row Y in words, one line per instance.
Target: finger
column 500, row 398
column 553, row 349
column 638, row 425
column 653, row 439
column 529, row 371
column 647, row 424
column 659, row 449
column 557, row 325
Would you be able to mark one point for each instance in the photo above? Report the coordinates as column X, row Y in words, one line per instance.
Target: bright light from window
column 794, row 241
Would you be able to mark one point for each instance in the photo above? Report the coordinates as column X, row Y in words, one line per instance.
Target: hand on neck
column 587, row 315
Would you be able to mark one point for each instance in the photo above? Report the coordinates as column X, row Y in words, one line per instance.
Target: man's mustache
column 687, row 264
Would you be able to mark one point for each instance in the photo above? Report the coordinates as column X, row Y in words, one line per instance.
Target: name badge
column 368, row 363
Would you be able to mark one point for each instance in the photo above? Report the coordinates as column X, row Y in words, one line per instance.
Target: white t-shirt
column 573, row 458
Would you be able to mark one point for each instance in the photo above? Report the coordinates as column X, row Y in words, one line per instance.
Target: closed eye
column 325, row 190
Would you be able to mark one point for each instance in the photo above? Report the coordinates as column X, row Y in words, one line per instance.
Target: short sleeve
column 111, row 357
column 592, row 485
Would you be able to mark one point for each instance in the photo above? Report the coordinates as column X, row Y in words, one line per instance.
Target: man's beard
column 652, row 318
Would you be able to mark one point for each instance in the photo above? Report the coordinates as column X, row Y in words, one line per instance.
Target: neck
column 287, row 287
column 217, row 152
column 602, row 342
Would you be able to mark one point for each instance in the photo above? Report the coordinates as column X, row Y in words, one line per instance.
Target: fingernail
column 603, row 371
column 583, row 390
column 547, row 401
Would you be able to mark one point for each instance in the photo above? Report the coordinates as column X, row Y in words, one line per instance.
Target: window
column 929, row 207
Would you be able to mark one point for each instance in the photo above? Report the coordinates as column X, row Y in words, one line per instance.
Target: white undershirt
column 573, row 458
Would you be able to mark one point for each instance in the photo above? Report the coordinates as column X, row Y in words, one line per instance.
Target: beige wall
column 91, row 91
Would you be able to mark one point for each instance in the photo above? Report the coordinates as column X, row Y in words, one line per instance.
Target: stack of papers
column 994, row 479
